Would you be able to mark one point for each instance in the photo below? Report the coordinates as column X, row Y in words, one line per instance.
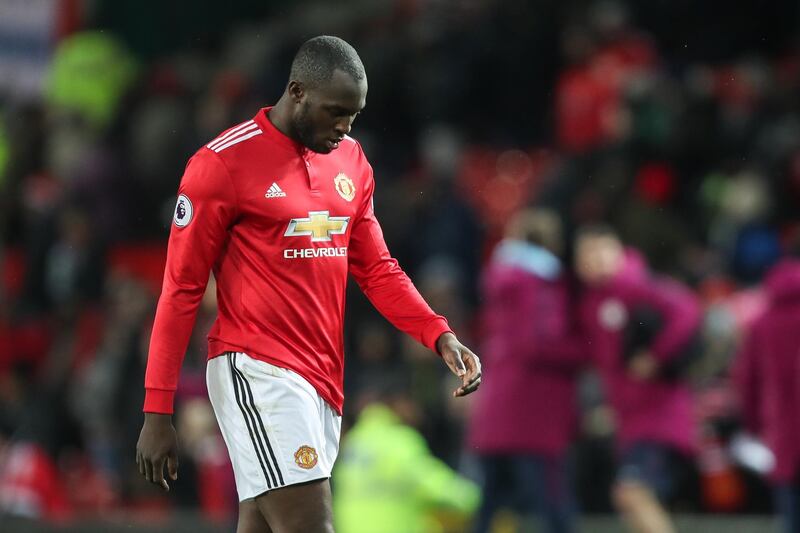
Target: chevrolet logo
column 319, row 226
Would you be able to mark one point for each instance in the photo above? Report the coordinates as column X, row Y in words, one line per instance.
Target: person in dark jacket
column 767, row 378
column 525, row 418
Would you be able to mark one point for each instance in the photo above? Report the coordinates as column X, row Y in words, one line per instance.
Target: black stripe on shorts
column 258, row 433
column 250, row 422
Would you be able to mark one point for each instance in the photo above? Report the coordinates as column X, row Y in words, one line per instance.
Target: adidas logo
column 274, row 191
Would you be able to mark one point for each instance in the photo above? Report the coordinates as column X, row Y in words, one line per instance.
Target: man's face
column 597, row 258
column 323, row 115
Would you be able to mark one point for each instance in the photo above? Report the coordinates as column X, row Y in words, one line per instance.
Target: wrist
column 157, row 418
column 444, row 338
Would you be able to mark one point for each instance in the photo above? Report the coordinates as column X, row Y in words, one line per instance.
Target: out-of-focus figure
column 640, row 329
column 525, row 419
column 767, row 377
column 387, row 480
column 30, row 483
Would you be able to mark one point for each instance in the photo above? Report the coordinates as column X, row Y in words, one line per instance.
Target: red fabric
column 584, row 106
column 12, row 271
column 499, row 183
column 529, row 404
column 625, row 57
column 69, row 18
column 276, row 306
column 767, row 371
column 30, row 484
column 143, row 261
column 28, row 342
column 656, row 183
column 655, row 410
column 216, row 485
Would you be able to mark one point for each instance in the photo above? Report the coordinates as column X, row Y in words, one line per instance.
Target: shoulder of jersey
column 241, row 133
column 351, row 141
column 353, row 145
column 357, row 151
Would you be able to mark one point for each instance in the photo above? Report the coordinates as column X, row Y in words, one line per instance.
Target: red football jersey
column 280, row 226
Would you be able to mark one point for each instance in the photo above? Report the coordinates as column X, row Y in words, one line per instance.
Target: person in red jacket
column 280, row 209
column 526, row 417
column 767, row 377
column 640, row 329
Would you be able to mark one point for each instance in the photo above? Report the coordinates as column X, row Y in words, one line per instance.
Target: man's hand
column 462, row 362
column 643, row 366
column 158, row 444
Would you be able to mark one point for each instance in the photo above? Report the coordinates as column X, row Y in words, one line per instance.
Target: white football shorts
column 278, row 430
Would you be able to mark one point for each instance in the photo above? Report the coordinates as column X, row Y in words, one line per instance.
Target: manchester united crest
column 344, row 186
column 306, row 457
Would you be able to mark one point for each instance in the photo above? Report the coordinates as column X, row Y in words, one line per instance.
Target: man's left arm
column 681, row 313
column 682, row 316
column 394, row 295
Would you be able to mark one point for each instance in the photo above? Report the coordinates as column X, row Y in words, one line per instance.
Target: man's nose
column 343, row 126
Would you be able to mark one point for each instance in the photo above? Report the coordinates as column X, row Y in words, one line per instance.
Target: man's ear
column 296, row 90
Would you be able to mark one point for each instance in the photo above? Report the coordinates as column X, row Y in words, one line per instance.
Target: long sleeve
column 384, row 282
column 205, row 211
column 680, row 311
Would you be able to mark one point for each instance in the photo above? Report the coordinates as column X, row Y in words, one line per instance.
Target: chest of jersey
column 302, row 204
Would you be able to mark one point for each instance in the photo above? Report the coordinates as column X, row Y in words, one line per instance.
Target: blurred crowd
column 672, row 129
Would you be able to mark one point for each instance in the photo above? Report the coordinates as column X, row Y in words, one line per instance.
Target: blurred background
column 675, row 122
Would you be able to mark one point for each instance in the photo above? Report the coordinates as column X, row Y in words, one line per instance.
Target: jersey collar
column 275, row 135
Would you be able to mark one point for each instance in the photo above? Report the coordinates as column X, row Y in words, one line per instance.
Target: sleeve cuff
column 433, row 331
column 158, row 401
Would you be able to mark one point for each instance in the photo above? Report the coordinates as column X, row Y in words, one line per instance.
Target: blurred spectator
column 89, row 75
column 531, row 355
column 767, row 375
column 639, row 329
column 386, row 478
column 204, row 447
column 102, row 395
column 30, row 483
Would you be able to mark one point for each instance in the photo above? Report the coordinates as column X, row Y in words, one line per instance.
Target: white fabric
column 267, row 415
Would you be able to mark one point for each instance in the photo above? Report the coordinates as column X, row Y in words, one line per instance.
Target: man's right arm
column 206, row 209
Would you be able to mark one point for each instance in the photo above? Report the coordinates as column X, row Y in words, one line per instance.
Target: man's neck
column 280, row 115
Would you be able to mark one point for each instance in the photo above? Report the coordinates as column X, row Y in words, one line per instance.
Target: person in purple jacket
column 525, row 419
column 651, row 403
column 767, row 376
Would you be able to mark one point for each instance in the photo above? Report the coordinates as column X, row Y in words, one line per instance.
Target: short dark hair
column 318, row 58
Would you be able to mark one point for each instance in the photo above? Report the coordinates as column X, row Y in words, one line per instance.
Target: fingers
column 153, row 470
column 473, row 365
column 472, row 378
column 172, row 466
column 468, row 389
column 455, row 362
column 148, row 469
column 158, row 473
